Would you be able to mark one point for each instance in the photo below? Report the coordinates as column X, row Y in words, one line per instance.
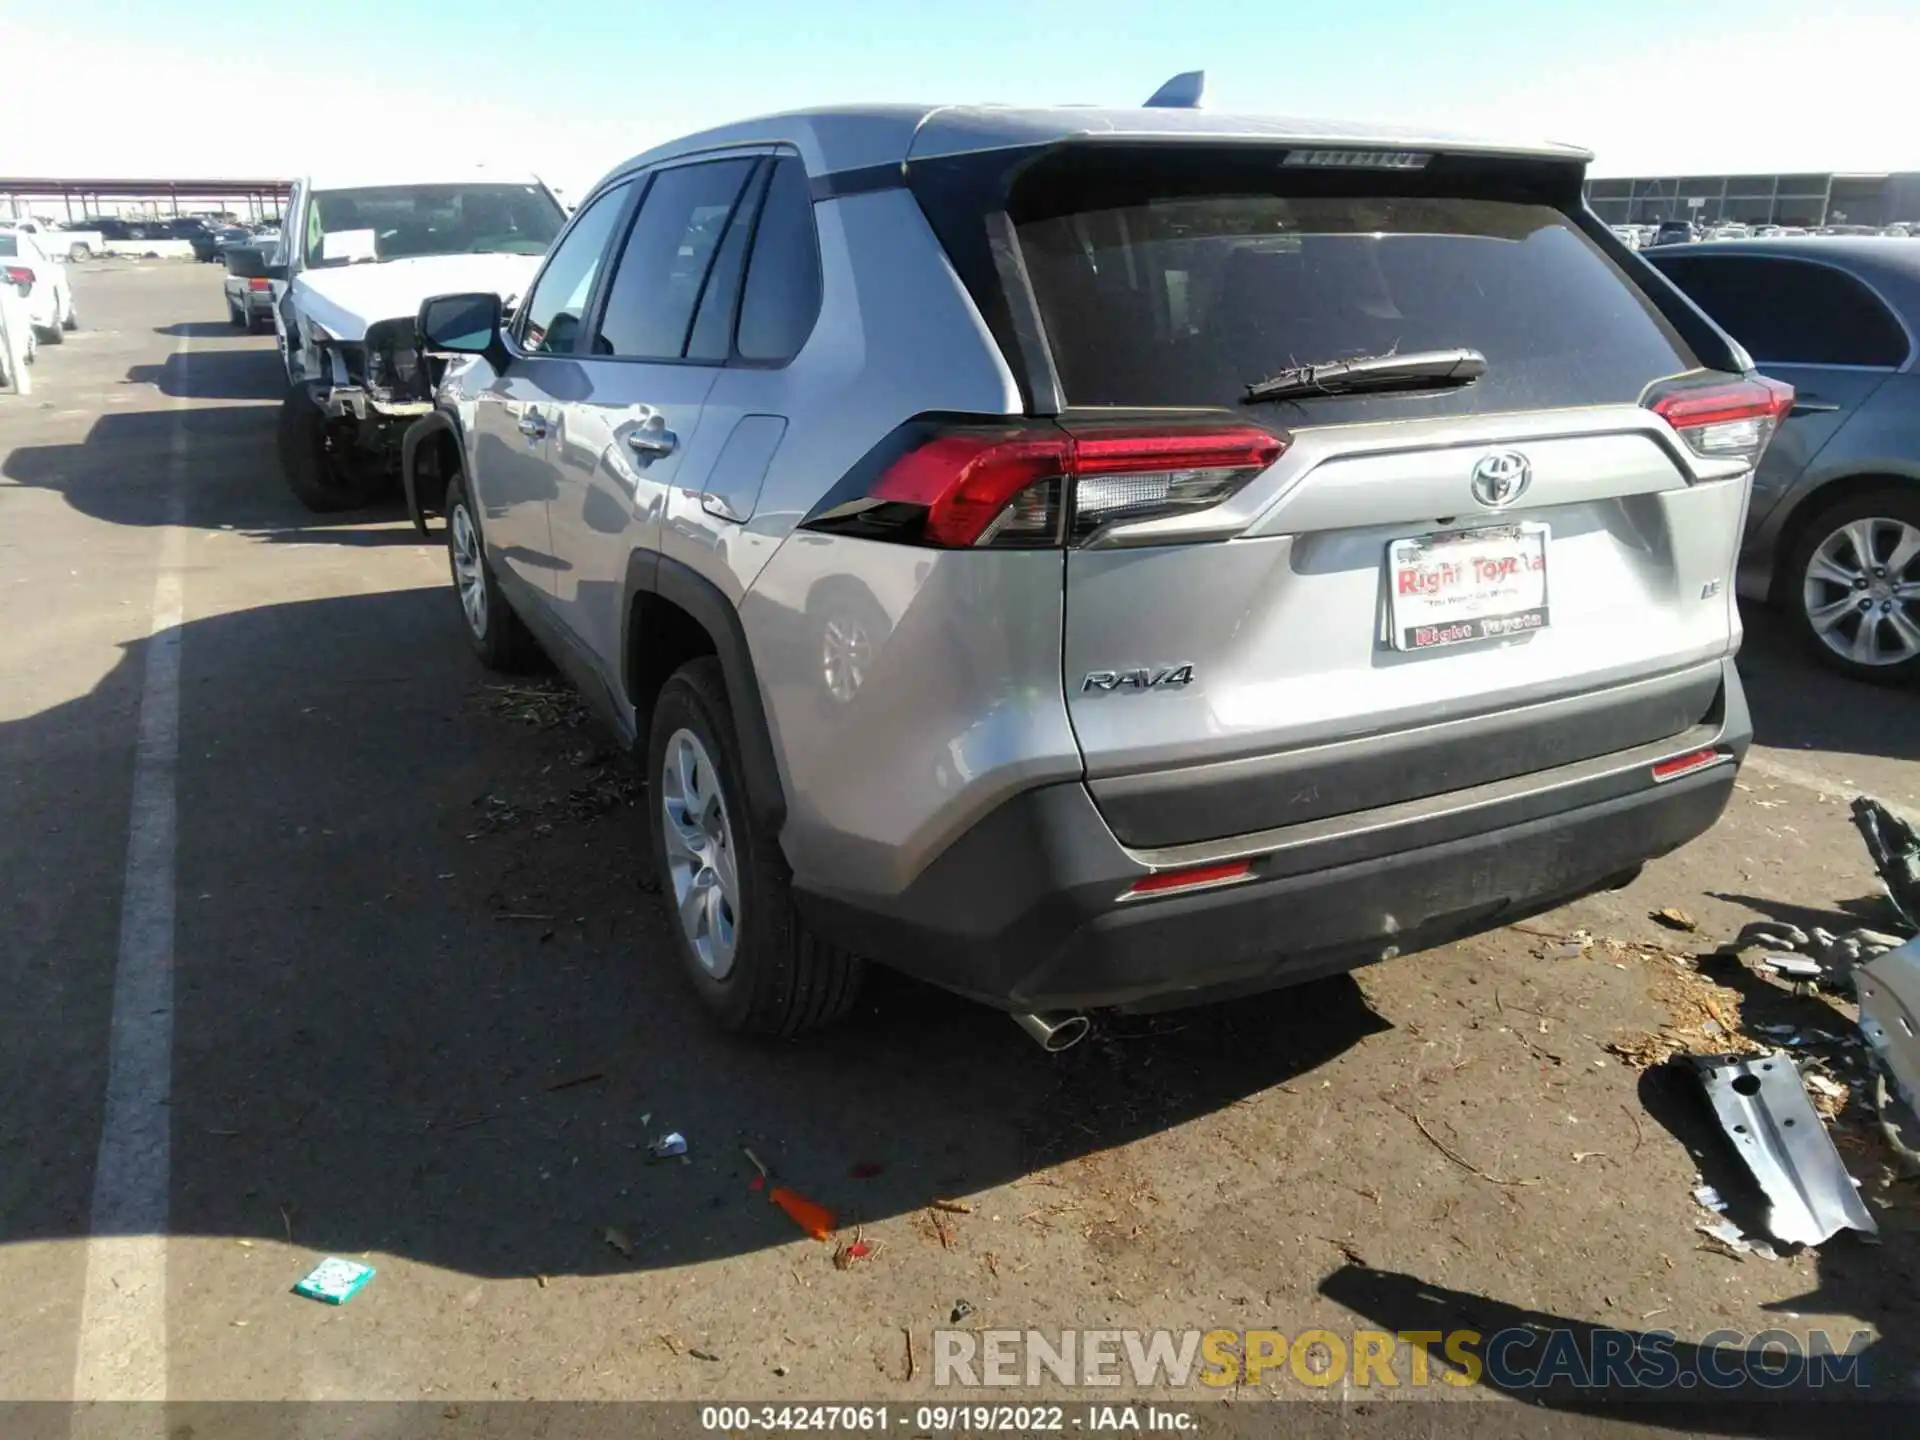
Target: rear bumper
column 1024, row 911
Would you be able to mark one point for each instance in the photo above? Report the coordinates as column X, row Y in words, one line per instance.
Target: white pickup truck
column 68, row 244
column 357, row 259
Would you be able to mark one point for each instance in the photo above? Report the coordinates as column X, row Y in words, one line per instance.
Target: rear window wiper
column 1418, row 370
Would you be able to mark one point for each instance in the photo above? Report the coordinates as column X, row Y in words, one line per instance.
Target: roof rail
column 1182, row 92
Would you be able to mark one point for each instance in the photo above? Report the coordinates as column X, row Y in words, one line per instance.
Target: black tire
column 234, row 317
column 259, row 324
column 1894, row 503
column 499, row 637
column 72, row 320
column 79, row 252
column 783, row 980
column 322, row 473
column 53, row 335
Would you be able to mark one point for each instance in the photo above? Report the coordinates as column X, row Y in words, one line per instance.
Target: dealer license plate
column 1466, row 585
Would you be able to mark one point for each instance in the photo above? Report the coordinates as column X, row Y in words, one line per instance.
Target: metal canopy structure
column 80, row 196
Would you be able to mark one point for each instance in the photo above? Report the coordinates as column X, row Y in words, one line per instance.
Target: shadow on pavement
column 1574, row 1367
column 119, row 473
column 1798, row 704
column 204, row 330
column 405, row 1025
column 253, row 374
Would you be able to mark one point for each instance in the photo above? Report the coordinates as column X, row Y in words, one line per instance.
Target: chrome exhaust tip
column 1054, row 1033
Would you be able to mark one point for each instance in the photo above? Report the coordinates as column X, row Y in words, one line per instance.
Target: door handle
column 534, row 428
column 652, row 441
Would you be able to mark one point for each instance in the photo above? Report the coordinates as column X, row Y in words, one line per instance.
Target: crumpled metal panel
column 1763, row 1108
column 1889, row 993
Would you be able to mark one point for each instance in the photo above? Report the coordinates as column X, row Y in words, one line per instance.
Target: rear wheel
column 318, row 459
column 78, row 251
column 55, row 333
column 71, row 320
column 742, row 945
column 497, row 634
column 234, row 316
column 1853, row 586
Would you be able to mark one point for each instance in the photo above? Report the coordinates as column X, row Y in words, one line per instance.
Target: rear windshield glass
column 1187, row 299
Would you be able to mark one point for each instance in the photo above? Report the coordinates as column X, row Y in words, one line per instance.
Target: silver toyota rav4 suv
column 1107, row 558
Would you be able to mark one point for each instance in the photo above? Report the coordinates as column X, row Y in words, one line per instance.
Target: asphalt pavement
column 320, row 941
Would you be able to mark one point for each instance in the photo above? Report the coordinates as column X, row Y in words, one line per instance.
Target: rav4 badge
column 1138, row 678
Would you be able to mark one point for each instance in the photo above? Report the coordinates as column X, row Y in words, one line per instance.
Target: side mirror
column 460, row 325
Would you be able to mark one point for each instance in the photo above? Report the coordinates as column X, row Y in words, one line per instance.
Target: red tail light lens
column 958, row 487
column 1733, row 420
column 1686, row 764
column 19, row 275
column 259, row 284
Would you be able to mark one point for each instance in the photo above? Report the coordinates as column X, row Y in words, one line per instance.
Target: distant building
column 1829, row 199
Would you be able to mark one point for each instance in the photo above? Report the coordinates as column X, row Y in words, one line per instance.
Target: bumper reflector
column 1192, row 878
column 1686, row 764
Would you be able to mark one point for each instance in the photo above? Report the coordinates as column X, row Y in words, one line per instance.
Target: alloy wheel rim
column 1861, row 591
column 468, row 577
column 701, row 861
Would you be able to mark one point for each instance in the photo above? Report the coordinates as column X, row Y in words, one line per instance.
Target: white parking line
column 122, row 1351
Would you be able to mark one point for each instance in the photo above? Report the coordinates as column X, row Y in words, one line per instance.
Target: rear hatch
column 1412, row 590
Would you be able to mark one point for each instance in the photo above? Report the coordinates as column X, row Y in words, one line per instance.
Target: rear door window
column 1186, row 299
column 1790, row 312
column 664, row 267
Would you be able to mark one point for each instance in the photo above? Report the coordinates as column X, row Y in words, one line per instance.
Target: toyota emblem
column 1501, row 478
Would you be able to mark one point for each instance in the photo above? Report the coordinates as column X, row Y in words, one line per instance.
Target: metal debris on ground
column 1895, row 851
column 1731, row 1236
column 1888, row 989
column 1817, row 955
column 334, row 1281
column 706, row 1355
column 618, row 1240
column 961, row 1310
column 667, row 1146
column 1675, row 918
column 1764, row 1111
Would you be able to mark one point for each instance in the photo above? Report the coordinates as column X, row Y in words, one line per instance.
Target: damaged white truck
column 357, row 260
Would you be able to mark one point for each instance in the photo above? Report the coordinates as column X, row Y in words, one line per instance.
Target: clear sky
column 570, row 87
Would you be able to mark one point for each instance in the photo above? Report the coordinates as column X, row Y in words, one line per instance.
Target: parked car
column 1675, row 232
column 229, row 237
column 1833, row 534
column 250, row 290
column 40, row 280
column 892, row 478
column 70, row 244
column 362, row 259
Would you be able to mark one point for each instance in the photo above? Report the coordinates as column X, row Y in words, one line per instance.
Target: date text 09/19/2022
column 940, row 1419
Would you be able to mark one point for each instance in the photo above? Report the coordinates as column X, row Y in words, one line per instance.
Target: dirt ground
column 422, row 1014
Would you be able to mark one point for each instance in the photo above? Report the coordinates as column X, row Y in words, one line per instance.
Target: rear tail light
column 1046, row 485
column 1730, row 420
column 19, row 275
column 1193, row 877
column 259, row 284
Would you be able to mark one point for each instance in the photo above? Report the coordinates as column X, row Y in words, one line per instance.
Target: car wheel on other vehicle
column 320, row 466
column 496, row 633
column 725, row 883
column 1853, row 586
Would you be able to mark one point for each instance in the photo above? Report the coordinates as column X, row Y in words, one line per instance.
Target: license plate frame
column 1454, row 587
